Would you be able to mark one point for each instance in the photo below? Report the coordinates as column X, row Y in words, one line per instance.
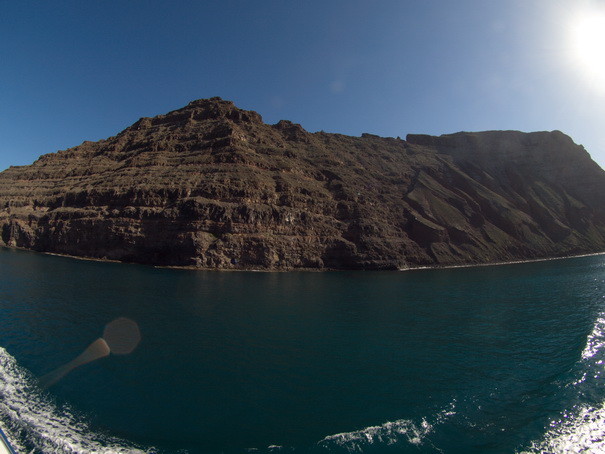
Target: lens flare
column 120, row 337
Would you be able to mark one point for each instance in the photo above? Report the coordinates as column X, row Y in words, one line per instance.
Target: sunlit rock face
column 212, row 186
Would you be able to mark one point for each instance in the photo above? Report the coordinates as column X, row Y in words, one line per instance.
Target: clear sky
column 84, row 70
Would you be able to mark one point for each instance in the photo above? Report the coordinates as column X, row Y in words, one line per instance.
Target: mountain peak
column 218, row 108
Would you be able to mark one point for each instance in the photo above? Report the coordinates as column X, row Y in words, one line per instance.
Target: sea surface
column 498, row 359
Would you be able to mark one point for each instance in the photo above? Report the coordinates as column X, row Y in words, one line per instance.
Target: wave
column 581, row 428
column 34, row 424
column 388, row 434
column 393, row 434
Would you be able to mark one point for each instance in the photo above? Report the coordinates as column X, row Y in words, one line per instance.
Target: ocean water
column 502, row 359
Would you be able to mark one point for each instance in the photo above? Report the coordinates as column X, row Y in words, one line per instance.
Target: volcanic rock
column 212, row 186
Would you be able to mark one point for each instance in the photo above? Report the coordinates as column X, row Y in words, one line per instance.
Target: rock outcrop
column 212, row 186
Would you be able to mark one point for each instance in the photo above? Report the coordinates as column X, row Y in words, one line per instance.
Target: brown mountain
column 211, row 185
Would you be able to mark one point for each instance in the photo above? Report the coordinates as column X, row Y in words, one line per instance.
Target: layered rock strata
column 212, row 186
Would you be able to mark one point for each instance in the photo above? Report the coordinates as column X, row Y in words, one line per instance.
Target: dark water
column 478, row 360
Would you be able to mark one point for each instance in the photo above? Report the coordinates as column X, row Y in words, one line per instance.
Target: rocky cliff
column 212, row 186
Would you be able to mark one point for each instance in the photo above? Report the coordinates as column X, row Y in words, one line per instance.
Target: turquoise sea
column 499, row 359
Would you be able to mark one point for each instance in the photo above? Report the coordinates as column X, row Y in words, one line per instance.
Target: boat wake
column 581, row 428
column 386, row 437
column 388, row 434
column 35, row 425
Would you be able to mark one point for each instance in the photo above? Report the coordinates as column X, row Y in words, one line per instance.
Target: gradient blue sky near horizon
column 84, row 70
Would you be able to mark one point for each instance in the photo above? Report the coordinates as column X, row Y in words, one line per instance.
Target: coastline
column 510, row 262
column 315, row 270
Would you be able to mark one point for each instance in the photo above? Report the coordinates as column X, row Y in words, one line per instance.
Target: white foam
column 596, row 340
column 387, row 434
column 580, row 428
column 28, row 415
column 579, row 431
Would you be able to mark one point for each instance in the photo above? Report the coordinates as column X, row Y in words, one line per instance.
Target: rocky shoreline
column 308, row 270
column 211, row 186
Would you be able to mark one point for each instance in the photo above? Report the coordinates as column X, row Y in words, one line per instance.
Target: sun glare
column 588, row 47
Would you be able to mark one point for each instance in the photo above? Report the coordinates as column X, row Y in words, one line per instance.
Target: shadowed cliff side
column 211, row 185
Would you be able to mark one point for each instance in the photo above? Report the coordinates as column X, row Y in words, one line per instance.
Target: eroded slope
column 211, row 185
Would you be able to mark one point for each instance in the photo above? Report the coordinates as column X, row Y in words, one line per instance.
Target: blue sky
column 84, row 70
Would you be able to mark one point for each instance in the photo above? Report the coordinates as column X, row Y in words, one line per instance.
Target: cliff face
column 211, row 185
